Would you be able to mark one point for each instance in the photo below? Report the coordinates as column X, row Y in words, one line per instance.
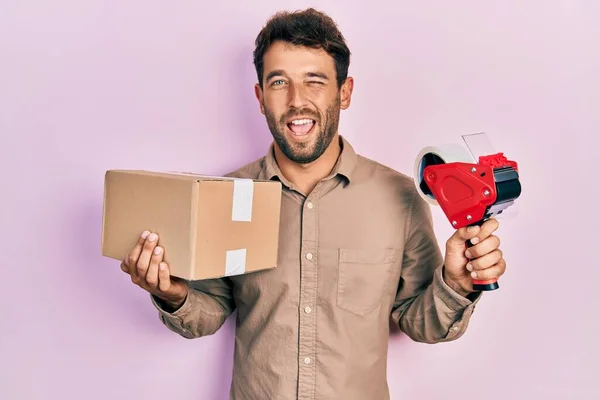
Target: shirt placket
column 308, row 297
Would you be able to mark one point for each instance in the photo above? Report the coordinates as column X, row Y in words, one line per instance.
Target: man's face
column 301, row 100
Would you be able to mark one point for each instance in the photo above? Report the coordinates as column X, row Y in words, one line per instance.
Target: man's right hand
column 147, row 270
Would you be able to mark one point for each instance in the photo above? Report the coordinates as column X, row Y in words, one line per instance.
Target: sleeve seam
column 409, row 221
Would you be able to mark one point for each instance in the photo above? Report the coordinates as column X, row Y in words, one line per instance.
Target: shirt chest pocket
column 364, row 277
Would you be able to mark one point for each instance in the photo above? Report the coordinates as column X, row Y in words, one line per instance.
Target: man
column 357, row 245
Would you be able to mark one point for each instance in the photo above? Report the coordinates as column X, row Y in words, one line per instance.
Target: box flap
column 178, row 174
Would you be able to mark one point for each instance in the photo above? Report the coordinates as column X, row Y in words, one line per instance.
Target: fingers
column 474, row 233
column 463, row 234
column 145, row 265
column 485, row 247
column 143, row 262
column 132, row 259
column 152, row 273
column 494, row 271
column 488, row 227
column 164, row 277
column 485, row 257
column 486, row 261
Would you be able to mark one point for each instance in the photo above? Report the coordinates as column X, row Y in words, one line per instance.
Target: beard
column 307, row 152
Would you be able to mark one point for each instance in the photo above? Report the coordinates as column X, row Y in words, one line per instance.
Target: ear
column 346, row 92
column 259, row 96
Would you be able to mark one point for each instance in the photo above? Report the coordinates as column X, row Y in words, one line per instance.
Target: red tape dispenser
column 470, row 184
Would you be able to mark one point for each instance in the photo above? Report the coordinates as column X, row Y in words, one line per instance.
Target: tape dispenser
column 470, row 185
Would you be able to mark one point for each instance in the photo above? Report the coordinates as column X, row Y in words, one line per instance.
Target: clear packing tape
column 446, row 153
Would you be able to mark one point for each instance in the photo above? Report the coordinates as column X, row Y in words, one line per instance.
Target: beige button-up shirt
column 358, row 250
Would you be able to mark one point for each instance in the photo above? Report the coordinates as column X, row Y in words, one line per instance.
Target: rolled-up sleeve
column 426, row 309
column 204, row 311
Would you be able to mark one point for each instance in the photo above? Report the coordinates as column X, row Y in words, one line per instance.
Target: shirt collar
column 344, row 166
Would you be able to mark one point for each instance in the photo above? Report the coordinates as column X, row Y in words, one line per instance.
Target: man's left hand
column 482, row 261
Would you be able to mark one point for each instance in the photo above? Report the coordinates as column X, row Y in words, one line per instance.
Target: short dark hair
column 310, row 28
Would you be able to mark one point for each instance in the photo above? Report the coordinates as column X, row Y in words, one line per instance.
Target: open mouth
column 301, row 127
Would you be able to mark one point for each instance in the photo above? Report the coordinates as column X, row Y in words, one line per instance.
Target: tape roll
column 433, row 155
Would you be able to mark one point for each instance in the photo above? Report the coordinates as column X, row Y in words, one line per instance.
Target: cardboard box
column 210, row 227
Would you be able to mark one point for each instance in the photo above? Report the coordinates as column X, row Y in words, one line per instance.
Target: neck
column 306, row 176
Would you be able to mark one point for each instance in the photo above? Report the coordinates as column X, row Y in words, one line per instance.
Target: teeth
column 301, row 121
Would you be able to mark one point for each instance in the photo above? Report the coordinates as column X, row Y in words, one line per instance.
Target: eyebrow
column 318, row 75
column 280, row 72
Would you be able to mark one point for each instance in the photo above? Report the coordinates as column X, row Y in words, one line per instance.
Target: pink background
column 87, row 86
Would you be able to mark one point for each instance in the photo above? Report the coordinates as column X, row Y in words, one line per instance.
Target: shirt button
column 310, row 205
column 307, row 360
column 307, row 310
column 309, row 256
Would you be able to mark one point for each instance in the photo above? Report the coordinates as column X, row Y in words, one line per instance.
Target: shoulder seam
column 409, row 218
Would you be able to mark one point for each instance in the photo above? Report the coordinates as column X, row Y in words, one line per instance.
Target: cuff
column 181, row 312
column 453, row 300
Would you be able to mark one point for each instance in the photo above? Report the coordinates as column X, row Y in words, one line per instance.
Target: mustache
column 300, row 113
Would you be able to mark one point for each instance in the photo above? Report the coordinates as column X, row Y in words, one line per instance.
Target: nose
column 297, row 96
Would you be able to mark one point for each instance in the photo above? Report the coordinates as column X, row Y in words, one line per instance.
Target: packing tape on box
column 243, row 197
column 448, row 153
column 243, row 194
column 235, row 262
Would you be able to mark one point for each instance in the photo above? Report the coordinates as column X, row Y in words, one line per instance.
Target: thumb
column 460, row 237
